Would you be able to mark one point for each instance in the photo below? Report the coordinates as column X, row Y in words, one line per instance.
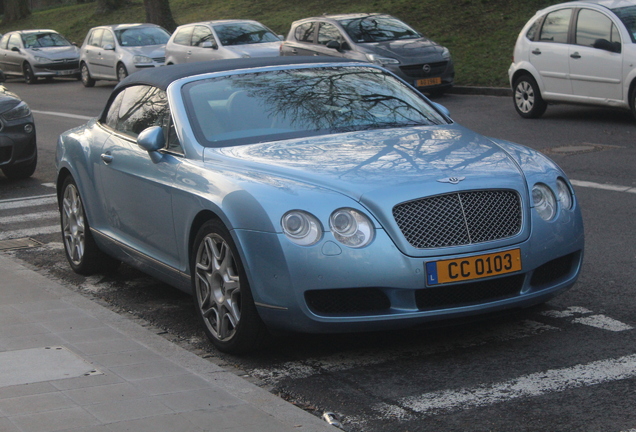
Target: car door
column 204, row 46
column 179, row 48
column 303, row 40
column 91, row 50
column 14, row 55
column 138, row 190
column 331, row 42
column 549, row 53
column 596, row 61
column 108, row 55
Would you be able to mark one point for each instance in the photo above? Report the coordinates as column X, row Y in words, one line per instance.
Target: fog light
column 28, row 128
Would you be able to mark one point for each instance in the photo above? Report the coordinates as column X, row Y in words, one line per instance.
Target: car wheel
column 80, row 248
column 121, row 72
column 17, row 172
column 85, row 76
column 223, row 298
column 29, row 76
column 527, row 98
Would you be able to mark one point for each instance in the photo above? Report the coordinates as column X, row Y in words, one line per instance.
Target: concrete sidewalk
column 69, row 364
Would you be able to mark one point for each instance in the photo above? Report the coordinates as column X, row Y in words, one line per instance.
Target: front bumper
column 328, row 288
column 56, row 69
column 17, row 146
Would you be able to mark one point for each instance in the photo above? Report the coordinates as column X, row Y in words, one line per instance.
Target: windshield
column 377, row 29
column 141, row 36
column 275, row 105
column 628, row 16
column 44, row 40
column 243, row 34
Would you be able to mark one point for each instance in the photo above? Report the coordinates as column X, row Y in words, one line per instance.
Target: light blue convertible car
column 312, row 195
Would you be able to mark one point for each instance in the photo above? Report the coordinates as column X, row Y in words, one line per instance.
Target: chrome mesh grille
column 460, row 218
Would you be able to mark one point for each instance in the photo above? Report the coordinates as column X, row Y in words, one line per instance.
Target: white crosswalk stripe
column 38, row 211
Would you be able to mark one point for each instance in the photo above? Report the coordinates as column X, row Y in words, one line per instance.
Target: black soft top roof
column 162, row 77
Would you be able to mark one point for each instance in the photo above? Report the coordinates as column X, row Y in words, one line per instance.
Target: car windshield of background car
column 378, row 29
column 44, row 40
column 243, row 34
column 628, row 16
column 142, row 36
column 275, row 105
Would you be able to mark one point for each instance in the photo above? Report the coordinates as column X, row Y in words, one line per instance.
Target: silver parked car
column 38, row 53
column 223, row 39
column 115, row 51
column 376, row 38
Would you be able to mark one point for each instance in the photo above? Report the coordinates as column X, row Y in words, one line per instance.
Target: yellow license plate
column 424, row 82
column 474, row 267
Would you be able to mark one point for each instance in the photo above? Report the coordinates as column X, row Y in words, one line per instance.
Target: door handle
column 575, row 55
column 107, row 158
column 536, row 51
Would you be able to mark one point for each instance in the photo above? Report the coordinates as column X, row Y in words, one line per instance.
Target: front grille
column 159, row 59
column 459, row 218
column 5, row 154
column 347, row 301
column 417, row 71
column 62, row 65
column 444, row 297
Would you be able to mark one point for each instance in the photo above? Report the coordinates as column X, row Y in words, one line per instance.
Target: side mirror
column 441, row 108
column 108, row 47
column 606, row 45
column 281, row 37
column 151, row 139
column 209, row 44
column 16, row 49
column 333, row 45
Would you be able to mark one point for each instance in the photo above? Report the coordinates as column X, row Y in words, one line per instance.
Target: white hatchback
column 577, row 52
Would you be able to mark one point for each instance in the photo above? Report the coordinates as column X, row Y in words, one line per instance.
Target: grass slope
column 479, row 33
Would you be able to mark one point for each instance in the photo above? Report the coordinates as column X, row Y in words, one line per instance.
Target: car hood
column 380, row 168
column 151, row 51
column 407, row 48
column 267, row 49
column 55, row 53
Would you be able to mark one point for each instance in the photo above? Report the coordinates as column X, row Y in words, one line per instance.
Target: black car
column 18, row 149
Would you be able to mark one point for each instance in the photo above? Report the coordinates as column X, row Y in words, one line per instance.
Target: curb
column 486, row 91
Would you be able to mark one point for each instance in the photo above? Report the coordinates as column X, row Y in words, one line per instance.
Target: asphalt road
column 569, row 365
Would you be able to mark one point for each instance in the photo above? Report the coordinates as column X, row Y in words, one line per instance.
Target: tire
column 80, row 248
column 527, row 98
column 19, row 172
column 122, row 72
column 29, row 76
column 85, row 76
column 222, row 294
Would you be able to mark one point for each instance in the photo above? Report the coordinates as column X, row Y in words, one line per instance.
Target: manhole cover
column 22, row 243
column 578, row 149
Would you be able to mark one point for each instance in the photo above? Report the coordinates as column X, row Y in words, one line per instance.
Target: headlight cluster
column 382, row 61
column 547, row 204
column 141, row 59
column 17, row 112
column 42, row 60
column 350, row 227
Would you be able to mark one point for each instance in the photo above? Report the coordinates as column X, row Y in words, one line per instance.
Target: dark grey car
column 375, row 38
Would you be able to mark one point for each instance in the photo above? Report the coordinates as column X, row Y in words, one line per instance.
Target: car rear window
column 274, row 105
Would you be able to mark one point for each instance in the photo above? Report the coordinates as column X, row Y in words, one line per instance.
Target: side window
column 532, row 31
column 555, row 27
column 4, row 41
column 14, row 42
column 202, row 34
column 328, row 33
column 141, row 107
column 96, row 37
column 107, row 39
column 596, row 30
column 113, row 111
column 183, row 36
column 305, row 32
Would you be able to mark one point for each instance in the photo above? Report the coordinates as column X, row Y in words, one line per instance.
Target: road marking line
column 29, row 232
column 603, row 322
column 532, row 385
column 29, row 202
column 355, row 359
column 75, row 116
column 569, row 312
column 29, row 217
column 615, row 188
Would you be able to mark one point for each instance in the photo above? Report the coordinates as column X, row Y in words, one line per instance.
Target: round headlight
column 544, row 201
column 351, row 228
column 564, row 194
column 301, row 227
